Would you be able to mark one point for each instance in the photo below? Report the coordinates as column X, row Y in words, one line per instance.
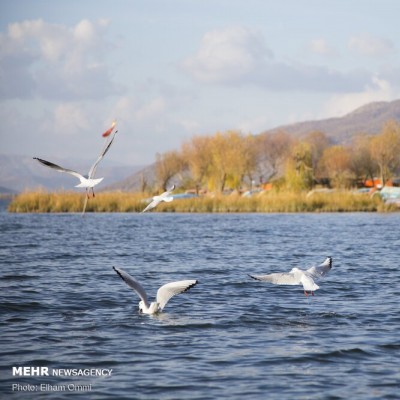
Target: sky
column 167, row 70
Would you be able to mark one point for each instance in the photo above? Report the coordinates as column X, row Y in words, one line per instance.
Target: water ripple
column 62, row 306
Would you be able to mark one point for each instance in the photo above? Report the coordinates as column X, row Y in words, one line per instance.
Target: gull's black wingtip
column 192, row 285
column 119, row 273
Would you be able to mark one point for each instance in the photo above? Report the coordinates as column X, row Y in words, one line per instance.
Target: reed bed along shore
column 266, row 202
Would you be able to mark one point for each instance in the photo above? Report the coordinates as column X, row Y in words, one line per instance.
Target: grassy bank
column 43, row 202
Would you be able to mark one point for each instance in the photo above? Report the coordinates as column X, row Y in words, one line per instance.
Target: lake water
column 230, row 337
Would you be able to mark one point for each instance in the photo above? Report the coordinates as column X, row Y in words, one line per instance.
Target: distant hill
column 141, row 179
column 366, row 119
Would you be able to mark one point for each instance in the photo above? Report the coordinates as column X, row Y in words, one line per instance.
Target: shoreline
column 266, row 202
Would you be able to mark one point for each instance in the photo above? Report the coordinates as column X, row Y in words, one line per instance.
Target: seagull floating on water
column 297, row 276
column 88, row 181
column 164, row 293
column 158, row 199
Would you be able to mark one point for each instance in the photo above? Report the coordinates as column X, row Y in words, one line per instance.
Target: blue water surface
column 229, row 337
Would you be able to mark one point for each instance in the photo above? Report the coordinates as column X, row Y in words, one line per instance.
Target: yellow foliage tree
column 385, row 149
column 336, row 163
column 196, row 154
column 299, row 170
column 167, row 165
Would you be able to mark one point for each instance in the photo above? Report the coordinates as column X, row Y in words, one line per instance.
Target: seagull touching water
column 164, row 293
column 297, row 276
column 88, row 182
column 158, row 199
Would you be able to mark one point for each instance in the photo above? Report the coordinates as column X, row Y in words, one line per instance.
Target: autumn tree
column 223, row 152
column 271, row 152
column 362, row 164
column 336, row 163
column 167, row 165
column 318, row 142
column 385, row 150
column 196, row 153
column 299, row 169
column 246, row 162
column 231, row 157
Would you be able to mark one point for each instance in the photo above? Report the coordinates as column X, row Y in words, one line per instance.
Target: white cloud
column 150, row 111
column 370, row 46
column 227, row 55
column 376, row 90
column 239, row 56
column 321, row 47
column 70, row 118
column 54, row 61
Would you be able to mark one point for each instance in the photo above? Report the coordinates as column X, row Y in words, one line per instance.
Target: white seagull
column 164, row 293
column 297, row 276
column 158, row 199
column 88, row 181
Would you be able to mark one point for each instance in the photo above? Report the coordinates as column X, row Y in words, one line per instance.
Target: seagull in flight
column 297, row 276
column 88, row 181
column 158, row 199
column 164, row 293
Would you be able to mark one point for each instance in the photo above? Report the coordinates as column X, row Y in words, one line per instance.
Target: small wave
column 28, row 306
column 18, row 277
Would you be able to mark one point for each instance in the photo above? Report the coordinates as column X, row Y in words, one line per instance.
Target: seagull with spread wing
column 297, row 276
column 88, row 181
column 166, row 196
column 164, row 293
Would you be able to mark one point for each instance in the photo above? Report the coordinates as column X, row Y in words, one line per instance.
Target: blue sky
column 171, row 69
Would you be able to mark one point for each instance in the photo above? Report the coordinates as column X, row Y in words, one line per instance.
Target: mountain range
column 18, row 173
column 366, row 119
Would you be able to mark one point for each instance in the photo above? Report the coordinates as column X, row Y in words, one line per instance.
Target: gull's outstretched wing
column 167, row 193
column 92, row 170
column 320, row 270
column 290, row 278
column 308, row 283
column 278, row 278
column 58, row 168
column 151, row 205
column 171, row 289
column 84, row 205
column 133, row 283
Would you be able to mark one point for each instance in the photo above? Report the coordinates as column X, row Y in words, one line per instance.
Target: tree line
column 234, row 160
